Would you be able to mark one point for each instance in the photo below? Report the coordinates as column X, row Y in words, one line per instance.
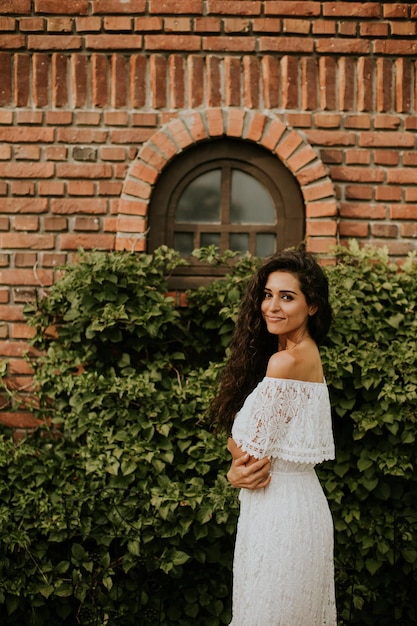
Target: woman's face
column 284, row 306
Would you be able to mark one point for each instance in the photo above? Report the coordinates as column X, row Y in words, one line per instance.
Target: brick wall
column 97, row 96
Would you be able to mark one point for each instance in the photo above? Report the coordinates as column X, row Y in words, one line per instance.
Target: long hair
column 252, row 345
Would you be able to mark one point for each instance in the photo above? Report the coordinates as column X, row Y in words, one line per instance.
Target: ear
column 312, row 309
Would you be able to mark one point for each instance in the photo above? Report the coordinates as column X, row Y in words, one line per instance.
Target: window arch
column 230, row 193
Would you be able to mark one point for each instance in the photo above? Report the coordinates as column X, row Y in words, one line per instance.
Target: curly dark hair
column 252, row 345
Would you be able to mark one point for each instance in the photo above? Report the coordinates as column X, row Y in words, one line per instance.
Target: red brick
column 87, row 242
column 331, row 137
column 109, row 153
column 403, row 212
column 231, row 7
column 130, row 7
column 51, row 188
column 232, row 68
column 5, row 152
column 173, row 42
column 235, row 123
column 31, row 24
column 137, row 81
column 328, row 120
column 80, row 206
column 54, row 42
column 59, row 24
column 133, row 207
column 15, row 42
column 52, row 260
column 356, row 174
column 56, row 153
column 21, row 83
column 58, row 118
column 214, row 95
column 409, row 230
column 195, row 66
column 22, row 188
column 403, row 29
column 89, row 224
column 99, row 80
column 395, row 10
column 309, row 83
column 109, row 188
column 362, row 211
column 196, row 126
column 215, row 122
column 177, row 25
column 270, row 80
column 374, row 29
column 7, row 24
column 387, row 122
column 383, row 84
column 346, row 80
column 40, row 87
column 327, row 208
column 387, row 139
column 321, row 245
column 79, row 80
column 26, row 170
column 388, row 194
column 131, row 224
column 27, row 152
column 148, row 24
column 403, row 85
column 23, row 205
column 288, row 144
column 158, row 80
column 88, row 118
column 29, row 117
column 365, row 84
column 361, row 120
column 318, row 191
column 59, row 80
column 358, row 192
column 251, row 78
column 342, row 46
column 323, row 228
column 85, row 170
column 75, row 7
column 301, row 158
column 357, row 157
column 207, row 25
column 19, row 419
column 289, row 68
column 17, row 7
column 176, row 72
column 87, row 24
column 113, row 42
column 130, row 135
column 55, row 223
column 272, row 134
column 395, row 47
column 31, row 241
column 25, row 259
column 6, row 78
column 323, row 27
column 118, row 24
column 384, row 230
column 81, row 188
column 302, row 8
column 286, row 44
column 353, row 229
column 313, row 172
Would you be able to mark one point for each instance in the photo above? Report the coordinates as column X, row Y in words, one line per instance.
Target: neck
column 287, row 343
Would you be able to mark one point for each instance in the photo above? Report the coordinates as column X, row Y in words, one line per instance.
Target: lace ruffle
column 287, row 419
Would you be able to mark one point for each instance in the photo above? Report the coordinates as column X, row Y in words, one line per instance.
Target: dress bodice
column 286, row 419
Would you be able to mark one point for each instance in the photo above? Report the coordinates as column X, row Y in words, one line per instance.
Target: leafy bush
column 117, row 509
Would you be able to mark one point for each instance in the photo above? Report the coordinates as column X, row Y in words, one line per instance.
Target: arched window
column 226, row 192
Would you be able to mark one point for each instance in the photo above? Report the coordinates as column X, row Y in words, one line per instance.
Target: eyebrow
column 282, row 290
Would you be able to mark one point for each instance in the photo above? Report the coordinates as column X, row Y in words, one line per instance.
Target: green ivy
column 117, row 510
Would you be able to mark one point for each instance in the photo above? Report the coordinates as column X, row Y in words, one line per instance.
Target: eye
column 267, row 295
column 287, row 297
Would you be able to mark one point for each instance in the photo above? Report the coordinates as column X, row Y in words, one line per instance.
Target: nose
column 274, row 303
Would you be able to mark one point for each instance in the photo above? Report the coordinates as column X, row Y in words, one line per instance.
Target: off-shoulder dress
column 283, row 572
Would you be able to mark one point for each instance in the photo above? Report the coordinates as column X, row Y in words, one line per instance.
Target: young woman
column 274, row 403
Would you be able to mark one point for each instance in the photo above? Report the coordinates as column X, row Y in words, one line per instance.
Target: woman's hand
column 245, row 471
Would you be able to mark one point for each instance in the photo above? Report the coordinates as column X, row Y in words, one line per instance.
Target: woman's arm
column 246, row 471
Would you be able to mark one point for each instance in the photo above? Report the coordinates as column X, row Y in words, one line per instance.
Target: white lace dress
column 283, row 573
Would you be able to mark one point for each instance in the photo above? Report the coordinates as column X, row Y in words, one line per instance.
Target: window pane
column 200, row 201
column 184, row 243
column 209, row 239
column 251, row 203
column 265, row 244
column 239, row 242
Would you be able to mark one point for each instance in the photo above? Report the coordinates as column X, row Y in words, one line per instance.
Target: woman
column 274, row 403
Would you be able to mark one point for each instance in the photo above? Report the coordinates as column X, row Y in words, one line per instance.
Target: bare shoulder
column 301, row 363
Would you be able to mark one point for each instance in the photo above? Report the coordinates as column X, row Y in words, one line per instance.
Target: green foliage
column 117, row 510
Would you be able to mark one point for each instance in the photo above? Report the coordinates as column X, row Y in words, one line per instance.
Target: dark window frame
column 226, row 153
